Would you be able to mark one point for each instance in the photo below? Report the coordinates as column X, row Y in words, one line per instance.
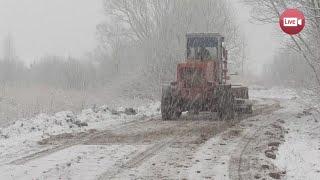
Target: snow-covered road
column 299, row 155
column 110, row 144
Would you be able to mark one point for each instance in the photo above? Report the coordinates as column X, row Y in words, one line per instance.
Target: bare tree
column 156, row 29
column 9, row 48
column 307, row 43
column 11, row 69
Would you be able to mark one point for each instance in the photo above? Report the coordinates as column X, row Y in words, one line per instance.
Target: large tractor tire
column 169, row 105
column 225, row 103
column 243, row 106
column 240, row 92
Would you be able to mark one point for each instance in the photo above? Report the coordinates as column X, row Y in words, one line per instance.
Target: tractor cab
column 205, row 47
column 206, row 61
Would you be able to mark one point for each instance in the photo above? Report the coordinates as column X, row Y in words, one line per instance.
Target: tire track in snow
column 77, row 141
column 158, row 147
column 123, row 127
column 236, row 163
column 148, row 153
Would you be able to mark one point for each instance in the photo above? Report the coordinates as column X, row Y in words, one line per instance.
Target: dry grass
column 25, row 102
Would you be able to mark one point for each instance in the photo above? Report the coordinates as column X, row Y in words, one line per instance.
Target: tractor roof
column 191, row 35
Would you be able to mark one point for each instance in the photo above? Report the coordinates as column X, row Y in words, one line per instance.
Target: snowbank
column 299, row 156
column 272, row 93
column 67, row 121
column 20, row 138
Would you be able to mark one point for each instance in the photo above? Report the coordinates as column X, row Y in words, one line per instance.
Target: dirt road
column 193, row 147
column 280, row 140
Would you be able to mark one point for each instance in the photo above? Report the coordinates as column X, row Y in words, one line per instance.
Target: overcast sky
column 68, row 27
column 262, row 39
column 39, row 27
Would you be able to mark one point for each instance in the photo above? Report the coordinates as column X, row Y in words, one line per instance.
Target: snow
column 44, row 125
column 71, row 163
column 66, row 121
column 272, row 93
column 300, row 154
column 217, row 169
column 20, row 138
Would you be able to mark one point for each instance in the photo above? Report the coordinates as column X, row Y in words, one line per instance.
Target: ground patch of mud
column 172, row 144
column 256, row 150
column 232, row 133
column 150, row 132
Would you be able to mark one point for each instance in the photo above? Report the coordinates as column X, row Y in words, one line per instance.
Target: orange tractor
column 202, row 82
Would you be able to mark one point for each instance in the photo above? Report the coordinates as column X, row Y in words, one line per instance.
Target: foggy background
column 41, row 27
column 74, row 54
column 68, row 28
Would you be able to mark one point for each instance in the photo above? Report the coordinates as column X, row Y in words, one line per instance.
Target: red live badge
column 292, row 21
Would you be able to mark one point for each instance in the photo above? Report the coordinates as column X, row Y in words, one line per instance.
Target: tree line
column 298, row 61
column 140, row 44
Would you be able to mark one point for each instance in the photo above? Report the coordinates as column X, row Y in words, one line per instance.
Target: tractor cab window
column 202, row 48
column 213, row 52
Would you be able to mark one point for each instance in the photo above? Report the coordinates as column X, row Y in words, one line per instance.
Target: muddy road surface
column 192, row 147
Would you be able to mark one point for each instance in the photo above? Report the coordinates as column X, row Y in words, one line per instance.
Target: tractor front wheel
column 169, row 105
column 225, row 103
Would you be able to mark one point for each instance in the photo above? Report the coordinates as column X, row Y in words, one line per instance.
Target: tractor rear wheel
column 169, row 105
column 225, row 103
